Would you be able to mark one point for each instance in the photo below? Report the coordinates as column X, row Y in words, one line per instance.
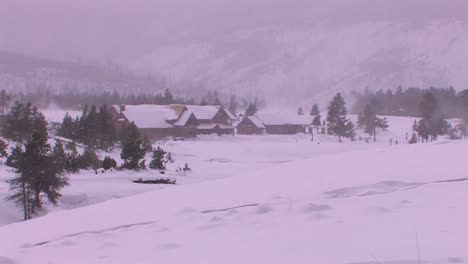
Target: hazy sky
column 125, row 29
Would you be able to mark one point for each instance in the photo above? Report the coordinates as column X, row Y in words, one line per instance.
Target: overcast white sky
column 125, row 29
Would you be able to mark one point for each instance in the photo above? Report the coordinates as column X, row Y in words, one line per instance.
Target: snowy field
column 261, row 199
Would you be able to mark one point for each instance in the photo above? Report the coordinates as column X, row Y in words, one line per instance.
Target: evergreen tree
column 338, row 123
column 107, row 135
column 59, row 157
column 147, row 145
column 21, row 121
column 414, row 139
column 89, row 159
column 300, row 111
column 158, row 161
column 4, row 101
column 72, row 161
column 109, row 163
column 3, row 150
column 15, row 156
column 315, row 110
column 37, row 176
column 168, row 97
column 133, row 152
column 317, row 122
column 369, row 120
column 66, row 129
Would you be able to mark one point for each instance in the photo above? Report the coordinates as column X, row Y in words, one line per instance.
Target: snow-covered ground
column 262, row 199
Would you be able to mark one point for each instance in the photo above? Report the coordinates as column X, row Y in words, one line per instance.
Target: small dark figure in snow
column 396, row 142
column 391, row 141
column 406, row 136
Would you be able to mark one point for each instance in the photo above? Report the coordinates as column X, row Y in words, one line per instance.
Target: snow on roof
column 183, row 118
column 256, row 121
column 149, row 116
column 205, row 112
column 57, row 115
column 281, row 118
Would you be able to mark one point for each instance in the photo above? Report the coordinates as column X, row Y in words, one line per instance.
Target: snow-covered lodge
column 159, row 121
column 275, row 124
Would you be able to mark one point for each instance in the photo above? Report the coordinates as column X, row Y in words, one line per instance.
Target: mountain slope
column 307, row 60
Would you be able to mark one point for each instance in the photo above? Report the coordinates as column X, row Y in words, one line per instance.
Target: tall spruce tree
column 338, row 123
column 37, row 176
column 133, row 151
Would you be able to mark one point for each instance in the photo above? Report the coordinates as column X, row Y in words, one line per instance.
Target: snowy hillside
column 267, row 199
column 317, row 59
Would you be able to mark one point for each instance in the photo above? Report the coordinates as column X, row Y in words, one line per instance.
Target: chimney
column 122, row 108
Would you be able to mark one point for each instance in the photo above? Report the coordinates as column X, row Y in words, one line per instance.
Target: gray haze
column 252, row 45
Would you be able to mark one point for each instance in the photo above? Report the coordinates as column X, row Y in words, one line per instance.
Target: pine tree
column 37, row 176
column 59, row 157
column 147, row 145
column 3, row 150
column 158, row 161
column 89, row 159
column 338, row 123
column 300, row 111
column 168, row 97
column 369, row 120
column 315, row 110
column 15, row 156
column 107, row 134
column 21, row 121
column 414, row 139
column 66, row 129
column 133, row 152
column 72, row 161
column 109, row 163
column 317, row 122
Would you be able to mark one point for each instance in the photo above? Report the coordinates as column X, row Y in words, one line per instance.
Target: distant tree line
column 405, row 102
